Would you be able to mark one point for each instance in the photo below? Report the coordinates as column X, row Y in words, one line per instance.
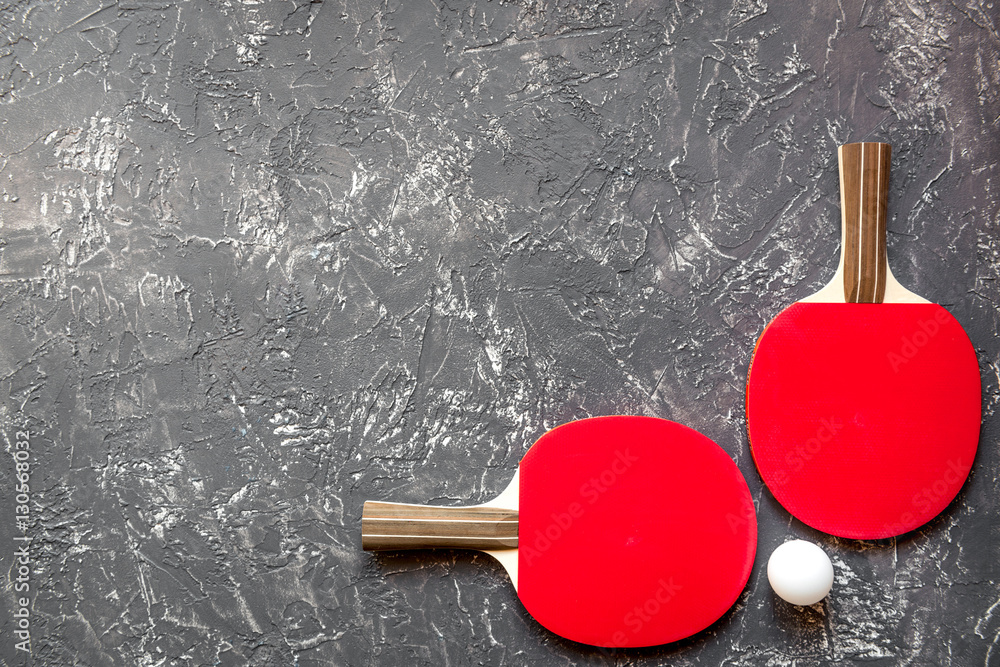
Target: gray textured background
column 261, row 261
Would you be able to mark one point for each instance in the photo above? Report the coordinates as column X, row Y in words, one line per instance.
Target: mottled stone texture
column 261, row 261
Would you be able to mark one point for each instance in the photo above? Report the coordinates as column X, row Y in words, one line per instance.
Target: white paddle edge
column 833, row 292
column 509, row 499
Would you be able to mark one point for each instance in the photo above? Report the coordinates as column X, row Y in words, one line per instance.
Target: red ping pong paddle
column 863, row 400
column 616, row 531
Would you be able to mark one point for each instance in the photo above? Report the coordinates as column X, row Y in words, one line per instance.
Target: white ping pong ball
column 800, row 572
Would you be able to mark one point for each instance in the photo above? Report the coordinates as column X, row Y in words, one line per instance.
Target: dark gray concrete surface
column 261, row 261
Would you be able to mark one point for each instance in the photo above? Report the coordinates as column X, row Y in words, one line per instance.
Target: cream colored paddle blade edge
column 509, row 500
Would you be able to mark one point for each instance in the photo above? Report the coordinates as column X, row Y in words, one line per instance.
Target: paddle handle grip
column 864, row 199
column 392, row 526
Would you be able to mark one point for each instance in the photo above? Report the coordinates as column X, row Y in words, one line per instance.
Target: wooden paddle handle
column 864, row 198
column 391, row 526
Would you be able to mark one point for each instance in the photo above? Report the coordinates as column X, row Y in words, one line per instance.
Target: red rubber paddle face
column 864, row 418
column 633, row 531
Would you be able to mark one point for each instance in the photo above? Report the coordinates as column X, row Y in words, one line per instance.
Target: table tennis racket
column 616, row 531
column 863, row 400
